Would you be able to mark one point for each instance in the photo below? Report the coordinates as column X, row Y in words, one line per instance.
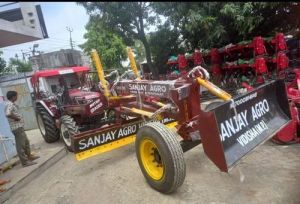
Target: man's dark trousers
column 22, row 144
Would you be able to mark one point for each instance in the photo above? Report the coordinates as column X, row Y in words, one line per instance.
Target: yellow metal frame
column 159, row 103
column 214, row 89
column 138, row 111
column 121, row 97
column 99, row 68
column 111, row 146
column 100, row 71
column 132, row 63
column 105, row 148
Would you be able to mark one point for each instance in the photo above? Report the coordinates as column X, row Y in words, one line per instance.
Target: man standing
column 16, row 123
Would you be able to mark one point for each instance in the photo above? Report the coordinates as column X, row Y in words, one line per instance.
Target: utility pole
column 23, row 53
column 34, row 49
column 26, row 54
column 71, row 42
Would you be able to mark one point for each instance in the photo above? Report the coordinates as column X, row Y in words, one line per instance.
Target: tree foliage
column 2, row 63
column 164, row 43
column 129, row 19
column 192, row 24
column 18, row 65
column 213, row 24
column 109, row 45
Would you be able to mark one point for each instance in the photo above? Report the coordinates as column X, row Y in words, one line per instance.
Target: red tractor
column 66, row 103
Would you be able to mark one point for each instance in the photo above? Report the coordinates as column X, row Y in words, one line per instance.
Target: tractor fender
column 43, row 104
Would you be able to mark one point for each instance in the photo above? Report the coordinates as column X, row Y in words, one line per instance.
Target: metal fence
column 7, row 139
column 19, row 83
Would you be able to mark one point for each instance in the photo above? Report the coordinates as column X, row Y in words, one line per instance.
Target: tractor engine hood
column 86, row 102
column 76, row 93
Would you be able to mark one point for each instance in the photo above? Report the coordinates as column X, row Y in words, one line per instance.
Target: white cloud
column 57, row 16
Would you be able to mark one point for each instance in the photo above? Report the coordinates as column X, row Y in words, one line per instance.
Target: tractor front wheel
column 46, row 124
column 160, row 157
column 68, row 128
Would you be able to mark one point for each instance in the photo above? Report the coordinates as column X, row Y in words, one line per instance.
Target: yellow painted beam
column 159, row 103
column 100, row 71
column 121, row 97
column 132, row 63
column 214, row 89
column 138, row 111
column 112, row 145
column 105, row 148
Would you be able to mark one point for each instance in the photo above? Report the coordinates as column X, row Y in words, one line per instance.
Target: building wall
column 61, row 58
column 24, row 89
column 7, row 139
column 21, row 25
column 27, row 26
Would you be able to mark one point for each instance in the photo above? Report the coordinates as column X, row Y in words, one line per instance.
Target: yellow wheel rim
column 151, row 159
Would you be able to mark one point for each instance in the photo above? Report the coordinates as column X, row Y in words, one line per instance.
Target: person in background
column 16, row 123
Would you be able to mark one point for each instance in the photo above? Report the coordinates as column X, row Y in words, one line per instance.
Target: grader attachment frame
column 228, row 132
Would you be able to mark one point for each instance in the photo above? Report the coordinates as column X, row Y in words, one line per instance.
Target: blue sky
column 57, row 16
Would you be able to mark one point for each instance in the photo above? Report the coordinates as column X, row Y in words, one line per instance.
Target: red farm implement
column 248, row 64
column 165, row 119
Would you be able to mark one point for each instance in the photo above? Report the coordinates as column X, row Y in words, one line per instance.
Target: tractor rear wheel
column 160, row 157
column 47, row 126
column 68, row 128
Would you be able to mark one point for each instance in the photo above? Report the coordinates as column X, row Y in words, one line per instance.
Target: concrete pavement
column 21, row 176
column 271, row 174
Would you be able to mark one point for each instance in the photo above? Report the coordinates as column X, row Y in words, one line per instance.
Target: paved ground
column 271, row 174
column 20, row 176
column 39, row 147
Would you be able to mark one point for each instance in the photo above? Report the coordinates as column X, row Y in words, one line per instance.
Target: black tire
column 212, row 105
column 169, row 152
column 46, row 124
column 67, row 130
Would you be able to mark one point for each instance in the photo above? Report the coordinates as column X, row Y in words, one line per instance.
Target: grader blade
column 93, row 142
column 242, row 124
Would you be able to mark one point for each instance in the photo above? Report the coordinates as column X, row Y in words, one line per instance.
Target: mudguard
column 240, row 125
column 43, row 104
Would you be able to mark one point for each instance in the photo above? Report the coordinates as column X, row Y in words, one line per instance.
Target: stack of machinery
column 251, row 63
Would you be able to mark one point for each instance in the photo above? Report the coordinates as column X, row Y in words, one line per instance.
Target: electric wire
column 15, row 2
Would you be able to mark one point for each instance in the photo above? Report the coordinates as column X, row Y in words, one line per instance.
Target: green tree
column 276, row 17
column 213, row 24
column 200, row 23
column 109, row 45
column 20, row 66
column 2, row 63
column 164, row 43
column 129, row 19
